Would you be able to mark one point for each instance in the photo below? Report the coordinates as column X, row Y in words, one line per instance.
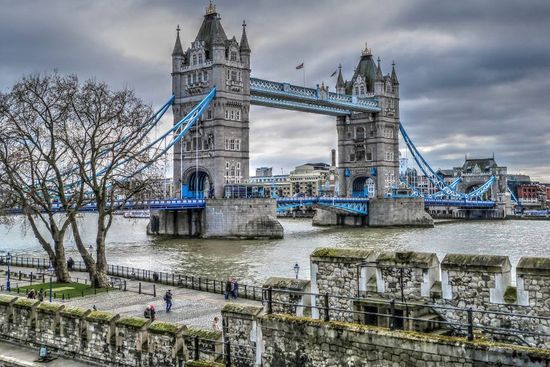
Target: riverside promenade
column 190, row 307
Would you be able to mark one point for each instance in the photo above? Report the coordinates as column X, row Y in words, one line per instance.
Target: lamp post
column 8, row 283
column 50, row 272
column 296, row 269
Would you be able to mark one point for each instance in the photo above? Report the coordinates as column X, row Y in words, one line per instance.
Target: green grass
column 61, row 290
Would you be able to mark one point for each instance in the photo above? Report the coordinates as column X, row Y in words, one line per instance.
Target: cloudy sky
column 475, row 75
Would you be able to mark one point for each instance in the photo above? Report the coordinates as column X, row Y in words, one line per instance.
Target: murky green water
column 254, row 261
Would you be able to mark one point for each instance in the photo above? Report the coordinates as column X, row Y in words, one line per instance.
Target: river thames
column 252, row 261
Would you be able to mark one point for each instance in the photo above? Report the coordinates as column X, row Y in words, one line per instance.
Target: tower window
column 209, row 114
column 233, row 55
column 200, row 58
column 205, row 75
column 233, row 76
column 194, row 59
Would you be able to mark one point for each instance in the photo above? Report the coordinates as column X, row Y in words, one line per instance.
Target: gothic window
column 233, row 76
column 232, row 114
column 200, row 58
column 389, row 156
column 238, row 115
column 204, row 75
column 352, row 157
column 388, row 133
column 362, row 90
column 194, row 59
column 369, row 155
column 240, row 76
column 226, row 114
column 232, row 144
column 360, row 133
column 228, row 75
column 371, row 187
column 356, row 90
column 227, row 144
column 188, row 79
column 237, row 144
column 360, row 154
column 233, row 55
column 188, row 146
column 210, row 141
column 209, row 114
column 197, row 144
column 194, row 78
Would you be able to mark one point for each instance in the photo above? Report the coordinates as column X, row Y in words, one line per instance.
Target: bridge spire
column 393, row 74
column 340, row 84
column 178, row 50
column 379, row 75
column 244, row 40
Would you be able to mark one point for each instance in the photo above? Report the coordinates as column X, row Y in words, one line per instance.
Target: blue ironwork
column 288, row 96
column 481, row 204
column 350, row 205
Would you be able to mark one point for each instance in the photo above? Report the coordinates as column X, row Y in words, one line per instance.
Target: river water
column 253, row 261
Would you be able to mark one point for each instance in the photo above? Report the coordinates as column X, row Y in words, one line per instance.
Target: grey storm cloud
column 474, row 75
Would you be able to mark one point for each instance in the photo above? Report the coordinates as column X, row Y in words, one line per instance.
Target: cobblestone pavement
column 190, row 307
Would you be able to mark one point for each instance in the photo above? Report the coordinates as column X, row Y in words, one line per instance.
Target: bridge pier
column 398, row 212
column 221, row 218
column 326, row 217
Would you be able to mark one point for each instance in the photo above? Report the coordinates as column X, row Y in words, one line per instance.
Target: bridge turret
column 340, row 84
column 245, row 48
column 394, row 81
column 178, row 59
column 379, row 81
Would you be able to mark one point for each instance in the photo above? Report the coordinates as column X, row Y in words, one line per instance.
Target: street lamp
column 296, row 269
column 8, row 283
column 50, row 272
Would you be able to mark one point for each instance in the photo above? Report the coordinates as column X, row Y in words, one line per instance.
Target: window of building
column 188, row 79
column 232, row 144
column 233, row 76
column 226, row 114
column 360, row 154
column 238, row 115
column 209, row 114
column 352, row 157
column 360, row 133
column 233, row 55
column 205, row 75
column 194, row 57
column 362, row 90
column 388, row 133
column 369, row 156
column 188, row 146
column 200, row 58
column 389, row 156
column 237, row 144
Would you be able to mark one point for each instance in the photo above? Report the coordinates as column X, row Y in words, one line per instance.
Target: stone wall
column 241, row 218
column 287, row 295
column 293, row 341
column 96, row 336
column 390, row 212
column 335, row 217
column 241, row 330
column 482, row 282
column 336, row 272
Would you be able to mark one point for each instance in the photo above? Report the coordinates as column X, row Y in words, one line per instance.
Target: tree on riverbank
column 64, row 145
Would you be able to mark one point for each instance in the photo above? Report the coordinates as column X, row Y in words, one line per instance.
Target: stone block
column 165, row 344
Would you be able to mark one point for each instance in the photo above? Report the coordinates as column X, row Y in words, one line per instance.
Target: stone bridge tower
column 215, row 152
column 368, row 143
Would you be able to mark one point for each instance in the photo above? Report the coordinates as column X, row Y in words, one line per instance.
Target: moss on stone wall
column 534, row 265
column 135, row 322
column 466, row 262
column 76, row 312
column 242, row 309
column 160, row 327
column 6, row 299
column 203, row 364
column 100, row 316
column 348, row 253
column 286, row 283
column 50, row 307
column 412, row 258
column 510, row 295
column 203, row 333
column 26, row 302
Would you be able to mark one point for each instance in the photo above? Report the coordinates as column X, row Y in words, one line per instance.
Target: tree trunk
column 89, row 261
column 101, row 278
column 61, row 268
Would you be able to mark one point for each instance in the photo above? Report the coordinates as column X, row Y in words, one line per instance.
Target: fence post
column 470, row 324
column 327, row 316
column 154, row 290
column 31, row 277
column 228, row 353
column 125, row 286
column 270, row 300
column 196, row 348
column 392, row 313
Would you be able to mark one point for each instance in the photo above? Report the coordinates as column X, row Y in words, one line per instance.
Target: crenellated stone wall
column 289, row 295
column 482, row 282
column 96, row 336
column 242, row 332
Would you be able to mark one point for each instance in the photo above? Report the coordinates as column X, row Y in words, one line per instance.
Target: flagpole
column 304, row 72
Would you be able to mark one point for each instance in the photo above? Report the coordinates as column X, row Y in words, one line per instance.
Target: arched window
column 360, row 133
column 200, row 58
column 371, row 187
column 194, row 59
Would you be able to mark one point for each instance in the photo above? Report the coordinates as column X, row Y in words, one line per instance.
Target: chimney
column 333, row 157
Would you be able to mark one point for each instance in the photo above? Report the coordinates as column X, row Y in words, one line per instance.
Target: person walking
column 168, row 300
column 41, row 295
column 228, row 287
column 155, row 277
column 216, row 324
column 70, row 263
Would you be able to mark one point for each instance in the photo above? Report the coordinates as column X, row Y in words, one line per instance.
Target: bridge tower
column 216, row 151
column 368, row 143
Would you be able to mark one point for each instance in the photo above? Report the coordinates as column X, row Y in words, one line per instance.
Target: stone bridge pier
column 221, row 218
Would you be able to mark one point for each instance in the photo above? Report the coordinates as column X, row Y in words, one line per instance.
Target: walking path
column 16, row 355
column 190, row 307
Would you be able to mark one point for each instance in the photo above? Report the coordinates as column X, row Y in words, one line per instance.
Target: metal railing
column 328, row 307
column 200, row 283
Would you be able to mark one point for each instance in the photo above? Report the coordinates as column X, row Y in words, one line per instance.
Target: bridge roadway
column 351, row 205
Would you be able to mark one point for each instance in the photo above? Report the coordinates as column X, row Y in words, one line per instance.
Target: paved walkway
column 190, row 307
column 16, row 355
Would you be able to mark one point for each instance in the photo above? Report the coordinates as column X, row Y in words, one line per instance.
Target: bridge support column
column 183, row 222
column 398, row 212
column 327, row 217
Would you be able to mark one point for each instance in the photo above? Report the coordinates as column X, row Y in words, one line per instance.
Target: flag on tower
column 301, row 66
column 333, row 74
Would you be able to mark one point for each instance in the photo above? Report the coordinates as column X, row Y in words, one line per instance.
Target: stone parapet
column 241, row 330
column 288, row 296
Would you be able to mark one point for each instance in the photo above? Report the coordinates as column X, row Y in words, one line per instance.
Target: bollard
column 470, row 324
column 154, row 290
column 124, row 286
column 270, row 300
column 31, row 277
column 139, row 287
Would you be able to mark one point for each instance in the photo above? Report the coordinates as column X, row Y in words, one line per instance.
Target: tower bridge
column 215, row 151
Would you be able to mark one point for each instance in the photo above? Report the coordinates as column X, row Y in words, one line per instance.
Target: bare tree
column 64, row 145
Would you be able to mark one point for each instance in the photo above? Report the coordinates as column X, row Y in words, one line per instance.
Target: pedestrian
column 41, row 295
column 133, row 275
column 153, row 313
column 155, row 277
column 147, row 312
column 235, row 288
column 31, row 294
column 94, row 308
column 168, row 300
column 70, row 263
column 228, row 287
column 216, row 324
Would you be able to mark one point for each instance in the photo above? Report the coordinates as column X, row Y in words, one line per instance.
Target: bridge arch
column 197, row 183
column 364, row 186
